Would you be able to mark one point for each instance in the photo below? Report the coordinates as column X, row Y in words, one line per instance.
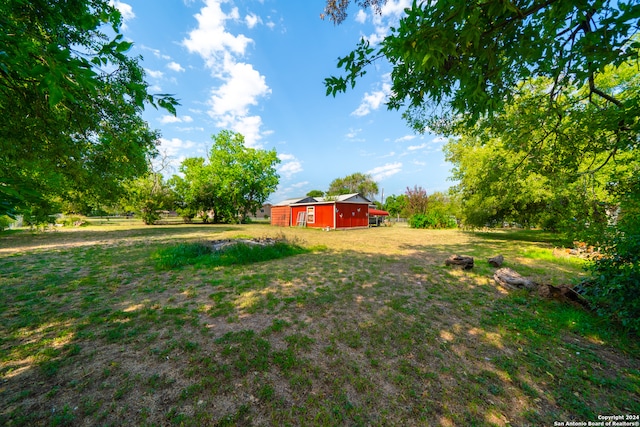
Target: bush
column 72, row 221
column 432, row 220
column 5, row 222
column 615, row 283
column 187, row 214
column 614, row 286
column 149, row 213
column 40, row 215
column 239, row 253
column 182, row 254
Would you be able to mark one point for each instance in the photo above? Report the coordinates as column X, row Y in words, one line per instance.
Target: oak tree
column 71, row 101
column 469, row 57
column 557, row 170
column 355, row 183
column 234, row 181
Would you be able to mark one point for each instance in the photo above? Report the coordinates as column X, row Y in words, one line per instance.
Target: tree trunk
column 496, row 261
column 564, row 294
column 511, row 279
column 466, row 262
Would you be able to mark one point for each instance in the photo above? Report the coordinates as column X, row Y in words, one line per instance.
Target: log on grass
column 563, row 293
column 511, row 279
column 463, row 261
column 496, row 261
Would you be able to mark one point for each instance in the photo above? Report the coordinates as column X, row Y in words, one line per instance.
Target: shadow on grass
column 324, row 338
column 26, row 240
column 533, row 236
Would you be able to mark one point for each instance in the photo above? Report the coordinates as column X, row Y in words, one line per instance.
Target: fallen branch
column 511, row 279
column 564, row 294
column 466, row 262
column 496, row 261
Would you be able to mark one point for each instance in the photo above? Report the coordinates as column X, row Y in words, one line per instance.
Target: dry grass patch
column 368, row 327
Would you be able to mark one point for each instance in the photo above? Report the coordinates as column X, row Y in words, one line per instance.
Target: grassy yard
column 362, row 327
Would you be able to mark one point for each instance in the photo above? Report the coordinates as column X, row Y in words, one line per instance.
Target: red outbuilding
column 334, row 212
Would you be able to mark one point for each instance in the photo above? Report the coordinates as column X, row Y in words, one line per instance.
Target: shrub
column 5, row 222
column 614, row 286
column 40, row 215
column 432, row 220
column 182, row 254
column 239, row 253
column 615, row 283
column 149, row 213
column 72, row 221
column 187, row 214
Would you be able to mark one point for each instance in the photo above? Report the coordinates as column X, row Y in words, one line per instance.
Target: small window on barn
column 311, row 217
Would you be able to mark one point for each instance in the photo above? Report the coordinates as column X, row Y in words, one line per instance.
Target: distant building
column 264, row 212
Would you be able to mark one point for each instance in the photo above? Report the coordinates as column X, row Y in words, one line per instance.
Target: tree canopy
column 315, row 193
column 355, row 183
column 234, row 181
column 461, row 57
column 396, row 205
column 71, row 102
column 556, row 171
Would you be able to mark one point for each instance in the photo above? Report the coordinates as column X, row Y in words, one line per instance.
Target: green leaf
column 123, row 47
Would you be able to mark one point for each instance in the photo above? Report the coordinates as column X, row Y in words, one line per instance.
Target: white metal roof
column 352, row 198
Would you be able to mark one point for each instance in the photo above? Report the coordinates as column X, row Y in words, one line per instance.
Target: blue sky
column 257, row 67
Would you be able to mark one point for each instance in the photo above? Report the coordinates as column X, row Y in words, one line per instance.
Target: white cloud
column 175, row 119
column 175, row 67
column 230, row 102
column 252, row 20
column 439, row 140
column 390, row 15
column 379, row 35
column 175, row 150
column 361, row 17
column 174, row 145
column 241, row 85
column 290, row 165
column 370, row 101
column 385, row 171
column 405, row 138
column 211, row 40
column 353, row 133
column 125, row 10
column 155, row 52
column 417, row 147
column 191, row 129
column 249, row 127
column 154, row 74
column 242, row 88
column 169, row 119
column 286, row 157
column 395, row 8
column 373, row 101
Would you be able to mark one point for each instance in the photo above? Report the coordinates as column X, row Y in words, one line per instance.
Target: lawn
column 360, row 327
